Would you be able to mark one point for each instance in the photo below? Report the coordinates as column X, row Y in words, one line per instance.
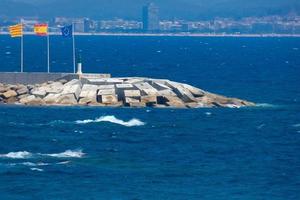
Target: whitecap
column 36, row 169
column 31, row 164
column 67, row 154
column 208, row 113
column 296, row 125
column 63, row 162
column 232, row 106
column 8, row 53
column 17, row 155
column 113, row 119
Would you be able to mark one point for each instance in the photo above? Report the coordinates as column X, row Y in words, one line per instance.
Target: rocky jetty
column 131, row 92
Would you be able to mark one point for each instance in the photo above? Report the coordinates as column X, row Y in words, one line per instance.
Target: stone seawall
column 92, row 90
column 37, row 77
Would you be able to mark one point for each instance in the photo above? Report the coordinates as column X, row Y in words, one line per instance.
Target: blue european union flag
column 67, row 31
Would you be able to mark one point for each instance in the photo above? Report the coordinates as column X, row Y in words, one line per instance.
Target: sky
column 131, row 9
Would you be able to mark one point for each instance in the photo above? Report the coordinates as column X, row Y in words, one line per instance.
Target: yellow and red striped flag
column 41, row 29
column 16, row 30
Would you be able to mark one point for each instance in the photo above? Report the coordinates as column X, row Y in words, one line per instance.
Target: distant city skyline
column 130, row 9
column 151, row 22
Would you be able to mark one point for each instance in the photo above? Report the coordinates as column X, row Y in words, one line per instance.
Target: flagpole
column 22, row 52
column 48, row 50
column 73, row 37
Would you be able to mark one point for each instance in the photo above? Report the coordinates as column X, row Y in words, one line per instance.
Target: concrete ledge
column 41, row 77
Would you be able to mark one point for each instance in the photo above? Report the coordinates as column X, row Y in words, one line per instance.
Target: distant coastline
column 171, row 34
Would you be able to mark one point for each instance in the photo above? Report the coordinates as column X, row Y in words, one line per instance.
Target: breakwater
column 102, row 90
column 37, row 77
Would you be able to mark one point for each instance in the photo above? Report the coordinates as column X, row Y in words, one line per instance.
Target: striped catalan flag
column 41, row 29
column 16, row 30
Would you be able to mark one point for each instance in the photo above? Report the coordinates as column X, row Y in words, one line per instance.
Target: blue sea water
column 123, row 153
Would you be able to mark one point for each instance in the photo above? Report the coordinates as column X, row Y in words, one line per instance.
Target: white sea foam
column 17, row 155
column 265, row 105
column 63, row 162
column 67, row 154
column 31, row 164
column 36, row 169
column 232, row 106
column 113, row 119
column 26, row 155
column 208, row 113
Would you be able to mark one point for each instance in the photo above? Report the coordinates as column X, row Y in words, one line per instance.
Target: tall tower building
column 150, row 18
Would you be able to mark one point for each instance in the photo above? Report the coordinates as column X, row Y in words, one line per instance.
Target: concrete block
column 181, row 91
column 107, row 92
column 166, row 92
column 109, row 99
column 106, row 87
column 73, row 82
column 132, row 93
column 146, row 88
column 130, row 100
column 124, row 86
column 148, row 99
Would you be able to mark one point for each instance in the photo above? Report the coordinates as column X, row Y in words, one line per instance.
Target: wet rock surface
column 130, row 92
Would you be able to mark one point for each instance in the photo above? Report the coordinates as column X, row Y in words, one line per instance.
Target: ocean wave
column 36, row 169
column 296, row 125
column 265, row 105
column 17, row 155
column 67, row 154
column 27, row 155
column 113, row 119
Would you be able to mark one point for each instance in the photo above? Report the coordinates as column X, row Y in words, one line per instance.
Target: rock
column 55, row 87
column 74, row 89
column 9, row 93
column 23, row 96
column 40, row 92
column 63, row 81
column 52, row 98
column 11, row 100
column 23, row 90
column 32, row 100
column 3, row 88
column 88, row 94
column 66, row 99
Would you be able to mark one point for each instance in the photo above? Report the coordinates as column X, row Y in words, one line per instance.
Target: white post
column 22, row 52
column 74, row 53
column 48, row 50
